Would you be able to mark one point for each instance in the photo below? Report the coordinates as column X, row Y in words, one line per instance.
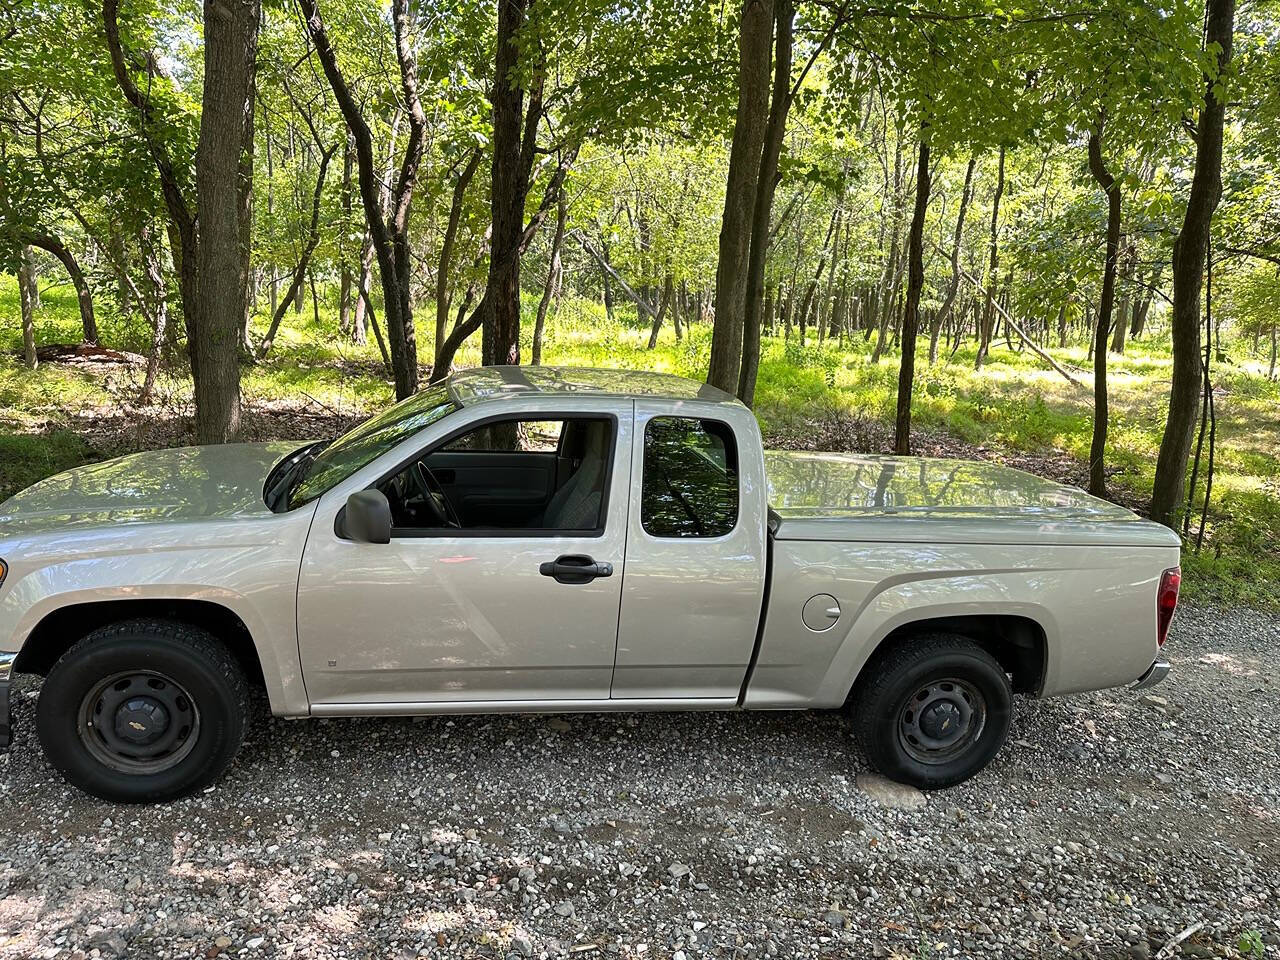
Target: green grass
column 1015, row 403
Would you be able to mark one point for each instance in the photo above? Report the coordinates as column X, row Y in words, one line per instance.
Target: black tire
column 952, row 679
column 194, row 680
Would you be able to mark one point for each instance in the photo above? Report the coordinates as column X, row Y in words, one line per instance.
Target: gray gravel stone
column 1105, row 826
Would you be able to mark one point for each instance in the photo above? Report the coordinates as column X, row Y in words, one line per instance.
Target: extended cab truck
column 542, row 539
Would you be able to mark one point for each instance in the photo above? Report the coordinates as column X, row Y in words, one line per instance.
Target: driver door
column 474, row 614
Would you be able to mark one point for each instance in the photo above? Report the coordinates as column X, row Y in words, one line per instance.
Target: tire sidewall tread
column 888, row 680
column 193, row 657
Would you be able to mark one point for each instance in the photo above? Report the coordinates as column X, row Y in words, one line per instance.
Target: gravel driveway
column 1109, row 825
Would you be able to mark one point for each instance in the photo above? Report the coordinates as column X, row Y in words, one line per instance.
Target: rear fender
column 900, row 604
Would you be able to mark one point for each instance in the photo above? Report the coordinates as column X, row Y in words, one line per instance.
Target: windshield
column 370, row 440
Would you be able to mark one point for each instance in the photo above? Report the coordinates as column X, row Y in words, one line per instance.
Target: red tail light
column 1167, row 602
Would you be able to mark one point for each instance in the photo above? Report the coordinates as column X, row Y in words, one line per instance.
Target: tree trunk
column 682, row 304
column 361, row 295
column 911, row 310
column 159, row 309
column 893, row 274
column 344, row 276
column 948, row 304
column 500, row 329
column 987, row 322
column 372, row 317
column 1142, row 308
column 389, row 236
column 294, row 292
column 28, row 311
column 668, row 294
column 222, row 258
column 812, row 288
column 1121, row 325
column 1189, row 256
column 754, row 59
column 118, row 254
column 606, row 288
column 1097, row 449
column 483, row 313
column 273, row 284
column 84, row 296
column 766, row 185
column 826, row 307
column 359, row 328
column 400, row 325
column 33, row 285
column 445, row 264
column 555, row 271
column 184, row 239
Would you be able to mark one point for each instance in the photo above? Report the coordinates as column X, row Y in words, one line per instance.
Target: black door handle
column 575, row 568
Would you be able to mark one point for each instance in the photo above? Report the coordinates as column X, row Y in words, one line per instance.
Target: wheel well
column 1017, row 643
column 56, row 633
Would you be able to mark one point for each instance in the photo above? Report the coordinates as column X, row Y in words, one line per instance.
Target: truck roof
column 479, row 384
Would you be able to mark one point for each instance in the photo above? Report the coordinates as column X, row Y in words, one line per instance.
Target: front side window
column 510, row 477
column 690, row 482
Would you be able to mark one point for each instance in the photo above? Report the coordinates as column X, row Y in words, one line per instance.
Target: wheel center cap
column 141, row 720
column 942, row 721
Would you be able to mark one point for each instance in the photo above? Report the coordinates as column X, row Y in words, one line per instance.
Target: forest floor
column 818, row 396
column 1109, row 825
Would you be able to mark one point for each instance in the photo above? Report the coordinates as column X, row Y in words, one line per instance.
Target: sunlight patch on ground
column 1233, row 665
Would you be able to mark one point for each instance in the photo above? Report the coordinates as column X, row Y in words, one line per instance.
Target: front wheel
column 932, row 711
column 143, row 711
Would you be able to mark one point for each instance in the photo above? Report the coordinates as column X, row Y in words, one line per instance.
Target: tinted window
column 690, row 483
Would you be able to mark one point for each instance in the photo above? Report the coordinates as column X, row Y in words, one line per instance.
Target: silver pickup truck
column 524, row 539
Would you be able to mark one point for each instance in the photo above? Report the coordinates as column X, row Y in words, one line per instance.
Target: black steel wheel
column 139, row 722
column 942, row 720
column 143, row 711
column 933, row 710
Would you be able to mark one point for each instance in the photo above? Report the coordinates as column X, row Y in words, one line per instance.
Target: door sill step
column 434, row 707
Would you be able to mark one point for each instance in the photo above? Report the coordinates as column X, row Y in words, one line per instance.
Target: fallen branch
column 1023, row 334
column 608, row 268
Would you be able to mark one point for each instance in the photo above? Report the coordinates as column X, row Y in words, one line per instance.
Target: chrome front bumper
column 6, row 678
column 1157, row 672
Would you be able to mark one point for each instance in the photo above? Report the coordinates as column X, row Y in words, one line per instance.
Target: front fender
column 255, row 578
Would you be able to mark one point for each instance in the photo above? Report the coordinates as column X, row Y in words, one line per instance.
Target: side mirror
column 367, row 517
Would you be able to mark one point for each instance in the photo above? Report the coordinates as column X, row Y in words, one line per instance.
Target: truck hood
column 839, row 496
column 182, row 484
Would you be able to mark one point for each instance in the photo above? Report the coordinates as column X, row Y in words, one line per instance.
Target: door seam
column 626, row 535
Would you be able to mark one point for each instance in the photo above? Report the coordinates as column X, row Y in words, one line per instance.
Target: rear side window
column 690, row 482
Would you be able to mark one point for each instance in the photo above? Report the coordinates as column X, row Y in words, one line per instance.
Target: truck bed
column 862, row 497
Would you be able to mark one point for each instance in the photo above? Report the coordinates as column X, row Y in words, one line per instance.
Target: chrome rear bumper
column 1157, row 672
column 6, row 677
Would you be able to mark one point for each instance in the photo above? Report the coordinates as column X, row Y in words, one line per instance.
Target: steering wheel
column 433, row 495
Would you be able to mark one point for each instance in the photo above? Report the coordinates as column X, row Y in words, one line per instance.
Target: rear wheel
column 143, row 711
column 932, row 711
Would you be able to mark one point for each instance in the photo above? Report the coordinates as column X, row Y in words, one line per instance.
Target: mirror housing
column 366, row 518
